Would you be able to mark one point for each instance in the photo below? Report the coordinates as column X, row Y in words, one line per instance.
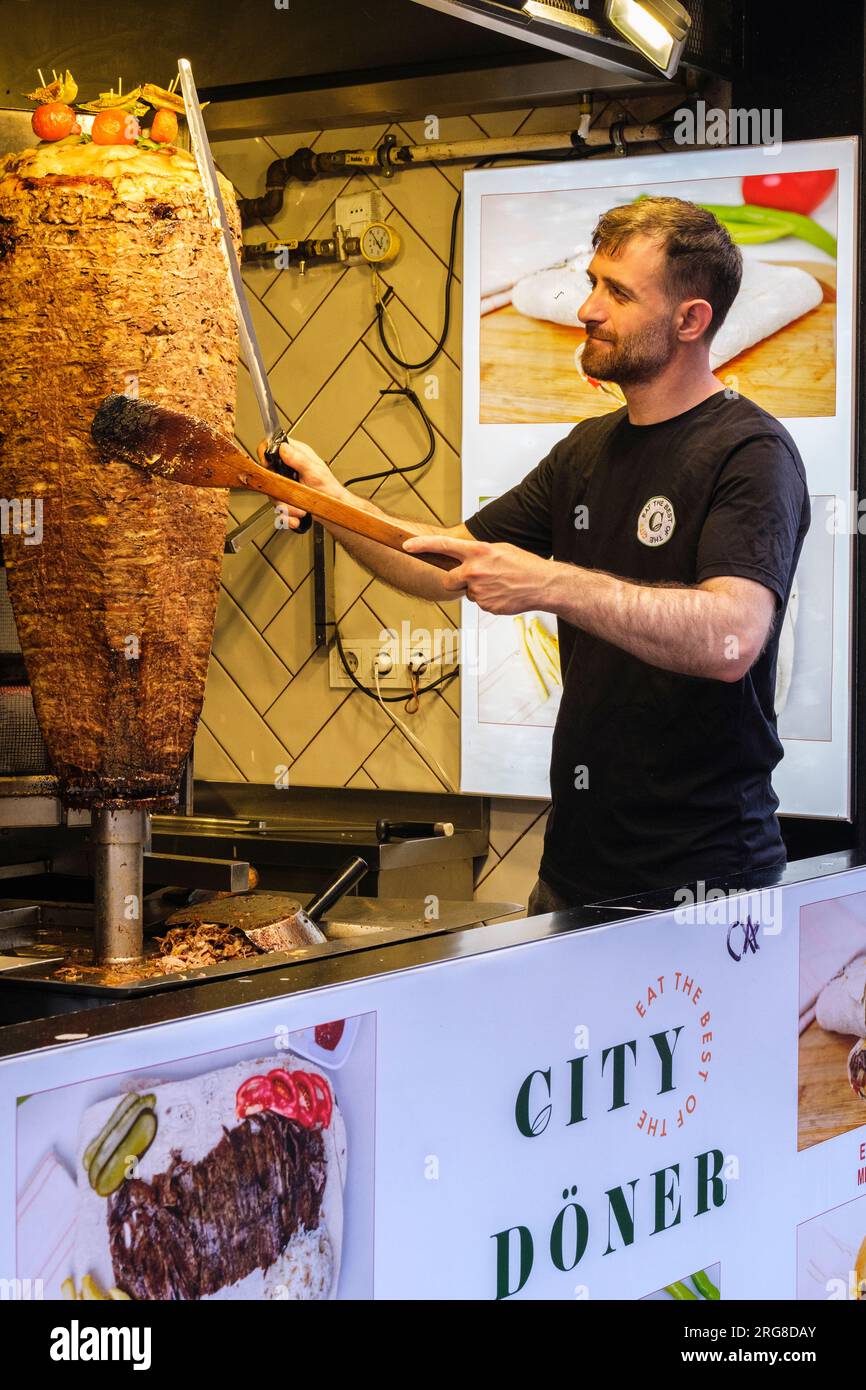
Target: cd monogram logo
column 656, row 523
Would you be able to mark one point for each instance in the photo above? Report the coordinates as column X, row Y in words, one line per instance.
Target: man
column 669, row 595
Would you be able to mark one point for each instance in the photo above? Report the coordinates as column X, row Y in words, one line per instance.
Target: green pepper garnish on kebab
column 128, row 1133
column 106, row 1177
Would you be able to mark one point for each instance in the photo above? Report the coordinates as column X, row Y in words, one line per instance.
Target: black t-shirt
column 659, row 779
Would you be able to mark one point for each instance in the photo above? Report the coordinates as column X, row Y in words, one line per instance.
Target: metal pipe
column 307, row 164
column 401, row 156
column 118, row 839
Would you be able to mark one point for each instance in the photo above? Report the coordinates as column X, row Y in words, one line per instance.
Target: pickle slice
column 139, row 1139
column 114, row 1134
column 119, row 1113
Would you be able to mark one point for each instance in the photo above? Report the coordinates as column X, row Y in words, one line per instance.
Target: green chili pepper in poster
column 704, row 1285
column 681, row 1292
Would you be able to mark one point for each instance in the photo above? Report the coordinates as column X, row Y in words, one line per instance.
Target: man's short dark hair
column 702, row 260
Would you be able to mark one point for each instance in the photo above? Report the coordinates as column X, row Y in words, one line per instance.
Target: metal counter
column 600, row 1103
column 342, row 963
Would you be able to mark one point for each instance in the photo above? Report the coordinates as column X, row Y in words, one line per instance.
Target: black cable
column 381, row 305
column 387, row 699
column 446, row 322
column 409, row 467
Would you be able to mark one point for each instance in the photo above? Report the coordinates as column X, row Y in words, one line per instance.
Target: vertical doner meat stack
column 111, row 279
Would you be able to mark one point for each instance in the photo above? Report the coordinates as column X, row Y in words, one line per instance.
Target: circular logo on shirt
column 656, row 523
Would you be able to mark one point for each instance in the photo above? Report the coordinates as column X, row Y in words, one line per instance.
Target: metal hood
column 582, row 33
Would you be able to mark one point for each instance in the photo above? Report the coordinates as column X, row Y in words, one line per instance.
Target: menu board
column 616, row 1113
column 787, row 344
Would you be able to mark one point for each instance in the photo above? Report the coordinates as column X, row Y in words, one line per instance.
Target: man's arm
column 401, row 571
column 716, row 629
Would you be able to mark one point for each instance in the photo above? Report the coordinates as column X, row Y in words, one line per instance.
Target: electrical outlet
column 360, row 654
column 354, row 211
column 426, row 658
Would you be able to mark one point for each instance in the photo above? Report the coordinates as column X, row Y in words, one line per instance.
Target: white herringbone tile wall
column 269, row 706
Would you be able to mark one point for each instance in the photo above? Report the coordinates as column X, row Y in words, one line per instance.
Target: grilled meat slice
column 200, row 1226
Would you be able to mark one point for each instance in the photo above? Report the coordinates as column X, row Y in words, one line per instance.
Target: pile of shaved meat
column 190, row 948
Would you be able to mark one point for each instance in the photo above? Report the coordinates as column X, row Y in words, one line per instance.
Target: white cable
column 386, row 309
column 416, row 742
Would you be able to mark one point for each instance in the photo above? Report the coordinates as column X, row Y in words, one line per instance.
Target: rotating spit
column 119, row 839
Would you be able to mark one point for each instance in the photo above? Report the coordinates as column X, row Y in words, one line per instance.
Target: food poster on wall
column 632, row 1132
column 831, row 1254
column 519, row 672
column 787, row 344
column 241, row 1173
column 832, row 1019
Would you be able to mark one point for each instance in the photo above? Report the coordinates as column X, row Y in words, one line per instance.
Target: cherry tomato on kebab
column 115, row 127
column 53, row 120
column 164, row 128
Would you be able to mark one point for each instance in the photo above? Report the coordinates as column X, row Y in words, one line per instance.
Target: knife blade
column 276, row 435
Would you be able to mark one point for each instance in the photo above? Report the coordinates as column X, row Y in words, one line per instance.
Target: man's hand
column 499, row 578
column 408, row 575
column 310, row 470
column 715, row 629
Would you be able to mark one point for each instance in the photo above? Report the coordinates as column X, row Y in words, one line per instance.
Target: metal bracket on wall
column 241, row 535
column 322, row 617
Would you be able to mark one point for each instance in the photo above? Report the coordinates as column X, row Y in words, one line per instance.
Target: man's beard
column 628, row 361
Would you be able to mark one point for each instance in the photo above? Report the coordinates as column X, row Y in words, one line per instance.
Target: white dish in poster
column 831, row 1253
column 304, row 1043
column 514, row 688
column 808, row 711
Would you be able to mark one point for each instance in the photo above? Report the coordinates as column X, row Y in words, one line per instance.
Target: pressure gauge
column 379, row 242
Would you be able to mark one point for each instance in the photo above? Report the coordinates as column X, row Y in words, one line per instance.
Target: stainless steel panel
column 18, row 809
column 197, row 871
column 551, row 83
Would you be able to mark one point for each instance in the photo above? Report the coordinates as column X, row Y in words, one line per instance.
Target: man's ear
column 696, row 315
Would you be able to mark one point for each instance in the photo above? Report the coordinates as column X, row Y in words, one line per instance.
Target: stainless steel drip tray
column 41, row 936
column 44, row 946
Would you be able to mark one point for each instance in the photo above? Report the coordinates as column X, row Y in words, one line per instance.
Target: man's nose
column 590, row 310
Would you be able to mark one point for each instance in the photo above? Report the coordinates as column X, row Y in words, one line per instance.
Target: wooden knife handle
column 184, row 449
column 326, row 508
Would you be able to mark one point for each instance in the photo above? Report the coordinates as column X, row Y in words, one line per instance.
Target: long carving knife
column 275, row 433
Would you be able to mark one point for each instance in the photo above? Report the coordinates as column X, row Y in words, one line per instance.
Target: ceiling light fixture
column 657, row 28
